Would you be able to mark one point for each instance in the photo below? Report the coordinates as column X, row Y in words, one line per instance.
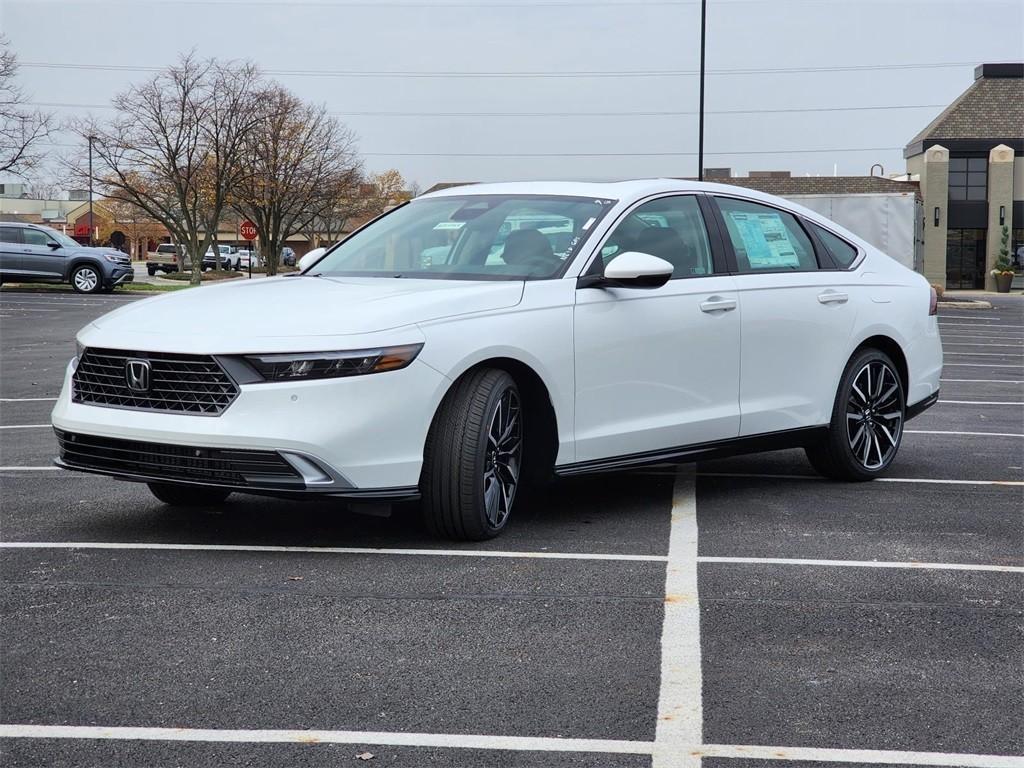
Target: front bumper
column 356, row 437
column 121, row 275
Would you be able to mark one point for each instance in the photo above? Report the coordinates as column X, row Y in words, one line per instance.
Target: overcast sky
column 448, row 54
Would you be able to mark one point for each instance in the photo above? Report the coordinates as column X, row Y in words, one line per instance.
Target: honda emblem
column 137, row 375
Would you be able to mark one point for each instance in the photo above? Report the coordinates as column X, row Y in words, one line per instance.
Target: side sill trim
column 770, row 441
column 921, row 406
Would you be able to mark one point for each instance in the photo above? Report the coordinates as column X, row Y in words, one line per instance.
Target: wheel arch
column 80, row 261
column 541, row 418
column 892, row 348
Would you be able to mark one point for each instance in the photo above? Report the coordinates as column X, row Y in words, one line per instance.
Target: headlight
column 330, row 365
column 112, row 258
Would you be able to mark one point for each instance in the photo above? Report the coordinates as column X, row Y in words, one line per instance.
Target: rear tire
column 188, row 495
column 472, row 466
column 866, row 429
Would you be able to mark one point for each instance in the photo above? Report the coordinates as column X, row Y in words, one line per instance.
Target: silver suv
column 32, row 253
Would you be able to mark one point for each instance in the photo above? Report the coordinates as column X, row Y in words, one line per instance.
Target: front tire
column 473, row 462
column 86, row 279
column 866, row 429
column 188, row 495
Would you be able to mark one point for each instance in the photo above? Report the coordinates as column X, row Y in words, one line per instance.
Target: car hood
column 271, row 313
column 84, row 250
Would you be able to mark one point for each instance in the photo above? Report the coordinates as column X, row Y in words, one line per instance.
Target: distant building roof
column 991, row 109
column 822, row 185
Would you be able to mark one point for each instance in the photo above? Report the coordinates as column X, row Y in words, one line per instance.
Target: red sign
column 248, row 230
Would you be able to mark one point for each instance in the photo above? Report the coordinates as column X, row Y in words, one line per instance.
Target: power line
column 600, row 154
column 639, row 113
column 517, row 74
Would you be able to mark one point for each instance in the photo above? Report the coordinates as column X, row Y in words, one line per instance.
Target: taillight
column 933, row 301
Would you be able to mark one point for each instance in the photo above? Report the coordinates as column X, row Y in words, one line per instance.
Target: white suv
column 451, row 355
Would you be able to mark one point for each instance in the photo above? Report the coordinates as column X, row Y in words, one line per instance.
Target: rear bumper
column 922, row 405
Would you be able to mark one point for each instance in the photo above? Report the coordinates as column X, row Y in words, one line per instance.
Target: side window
column 10, row 235
column 841, row 251
column 671, row 228
column 35, row 237
column 766, row 239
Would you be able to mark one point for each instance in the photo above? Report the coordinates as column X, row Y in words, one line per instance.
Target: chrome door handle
column 833, row 297
column 718, row 304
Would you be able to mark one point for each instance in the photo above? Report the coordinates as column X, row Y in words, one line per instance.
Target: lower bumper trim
column 922, row 405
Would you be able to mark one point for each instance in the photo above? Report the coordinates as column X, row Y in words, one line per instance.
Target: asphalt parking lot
column 743, row 612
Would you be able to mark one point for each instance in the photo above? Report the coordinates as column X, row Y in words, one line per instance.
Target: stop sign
column 248, row 230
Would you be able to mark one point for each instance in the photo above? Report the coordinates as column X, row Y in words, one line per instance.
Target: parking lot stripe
column 984, row 381
column 950, row 432
column 29, row 469
column 973, row 344
column 26, row 426
column 982, row 354
column 863, row 564
column 979, row 365
column 330, row 550
column 27, row 399
column 873, row 756
column 926, row 480
column 680, row 708
column 504, row 743
column 977, row 402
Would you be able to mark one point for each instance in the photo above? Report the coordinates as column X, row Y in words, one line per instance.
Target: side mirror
column 307, row 261
column 631, row 269
column 54, row 245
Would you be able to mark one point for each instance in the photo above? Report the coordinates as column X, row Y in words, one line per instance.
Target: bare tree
column 174, row 150
column 296, row 151
column 338, row 201
column 137, row 226
column 22, row 130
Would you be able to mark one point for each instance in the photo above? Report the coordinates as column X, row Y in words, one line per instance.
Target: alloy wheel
column 503, row 458
column 874, row 415
column 86, row 280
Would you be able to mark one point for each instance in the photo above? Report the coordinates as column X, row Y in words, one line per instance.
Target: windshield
column 470, row 237
column 61, row 238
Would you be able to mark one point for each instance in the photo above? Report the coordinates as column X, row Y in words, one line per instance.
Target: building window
column 1017, row 249
column 968, row 178
column 965, row 258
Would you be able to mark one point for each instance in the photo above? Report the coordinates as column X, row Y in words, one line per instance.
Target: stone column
column 1000, row 195
column 935, row 191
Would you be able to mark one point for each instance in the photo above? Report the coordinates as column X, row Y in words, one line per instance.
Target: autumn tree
column 23, row 131
column 174, row 148
column 295, row 152
column 138, row 227
column 337, row 202
column 386, row 190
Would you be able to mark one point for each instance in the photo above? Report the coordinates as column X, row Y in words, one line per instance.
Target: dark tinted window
column 10, row 235
column 766, row 239
column 35, row 237
column 671, row 228
column 968, row 178
column 842, row 253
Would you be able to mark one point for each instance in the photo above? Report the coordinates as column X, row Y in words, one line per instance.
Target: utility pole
column 700, row 129
column 92, row 224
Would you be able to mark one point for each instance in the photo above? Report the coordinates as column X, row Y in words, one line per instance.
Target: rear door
column 798, row 312
column 658, row 369
column 39, row 259
column 10, row 251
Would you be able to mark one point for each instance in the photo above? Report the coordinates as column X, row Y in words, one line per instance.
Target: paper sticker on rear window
column 765, row 240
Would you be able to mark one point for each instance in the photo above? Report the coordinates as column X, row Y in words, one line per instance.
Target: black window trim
column 861, row 253
column 821, row 255
column 595, row 266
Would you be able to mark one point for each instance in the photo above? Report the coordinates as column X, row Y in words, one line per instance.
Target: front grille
column 182, row 383
column 159, row 461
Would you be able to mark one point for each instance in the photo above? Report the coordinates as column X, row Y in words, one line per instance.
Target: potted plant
column 1003, row 273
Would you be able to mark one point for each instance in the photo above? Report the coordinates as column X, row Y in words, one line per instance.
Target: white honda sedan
column 473, row 343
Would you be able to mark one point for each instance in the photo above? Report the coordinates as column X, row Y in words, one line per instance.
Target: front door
column 965, row 258
column 657, row 368
column 39, row 258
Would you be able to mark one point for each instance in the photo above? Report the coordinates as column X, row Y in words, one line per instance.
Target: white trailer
column 890, row 221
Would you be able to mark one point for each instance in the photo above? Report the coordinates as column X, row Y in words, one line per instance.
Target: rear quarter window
column 842, row 252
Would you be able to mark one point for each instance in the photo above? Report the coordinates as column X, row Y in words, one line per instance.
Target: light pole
column 700, row 129
column 92, row 224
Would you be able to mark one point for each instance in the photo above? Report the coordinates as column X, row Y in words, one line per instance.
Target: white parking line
column 950, row 432
column 8, row 308
column 979, row 365
column 981, row 354
column 505, row 743
column 977, row 402
column 680, row 708
column 863, row 564
column 680, row 578
column 926, row 481
column 27, row 399
column 985, row 381
column 26, row 426
column 330, row 550
column 31, row 469
column 972, row 344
